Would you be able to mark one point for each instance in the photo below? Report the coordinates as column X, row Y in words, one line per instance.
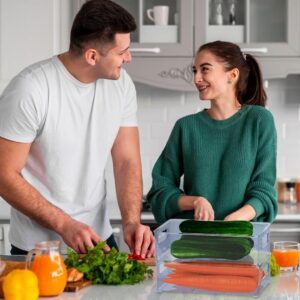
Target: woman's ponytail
column 254, row 93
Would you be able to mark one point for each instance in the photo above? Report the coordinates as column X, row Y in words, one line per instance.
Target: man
column 59, row 121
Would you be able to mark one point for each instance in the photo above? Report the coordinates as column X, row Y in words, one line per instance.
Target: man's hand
column 139, row 239
column 78, row 235
column 203, row 210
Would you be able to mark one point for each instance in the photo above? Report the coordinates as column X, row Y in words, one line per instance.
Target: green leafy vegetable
column 275, row 269
column 108, row 268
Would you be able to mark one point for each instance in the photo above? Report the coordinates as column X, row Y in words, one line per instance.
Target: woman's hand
column 203, row 210
column 246, row 213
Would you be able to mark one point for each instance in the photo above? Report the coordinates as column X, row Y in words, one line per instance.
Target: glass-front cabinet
column 164, row 27
column 170, row 32
column 264, row 27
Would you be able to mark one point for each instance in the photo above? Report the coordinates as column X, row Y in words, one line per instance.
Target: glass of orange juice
column 46, row 262
column 286, row 254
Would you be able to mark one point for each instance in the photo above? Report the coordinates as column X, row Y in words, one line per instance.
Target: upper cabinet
column 170, row 32
column 265, row 28
column 164, row 27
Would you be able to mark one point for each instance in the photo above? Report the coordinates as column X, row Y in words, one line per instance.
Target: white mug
column 159, row 14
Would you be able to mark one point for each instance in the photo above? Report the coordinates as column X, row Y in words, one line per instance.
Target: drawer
column 285, row 231
column 4, row 242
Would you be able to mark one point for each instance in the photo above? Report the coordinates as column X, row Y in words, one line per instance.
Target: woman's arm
column 261, row 193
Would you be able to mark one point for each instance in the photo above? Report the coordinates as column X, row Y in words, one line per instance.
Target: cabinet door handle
column 259, row 50
column 145, row 50
column 116, row 230
column 285, row 230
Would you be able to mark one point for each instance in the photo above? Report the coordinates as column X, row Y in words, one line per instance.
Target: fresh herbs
column 108, row 268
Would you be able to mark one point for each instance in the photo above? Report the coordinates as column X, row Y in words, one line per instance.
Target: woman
column 227, row 153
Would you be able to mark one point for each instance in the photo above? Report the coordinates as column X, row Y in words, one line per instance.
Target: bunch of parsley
column 108, row 268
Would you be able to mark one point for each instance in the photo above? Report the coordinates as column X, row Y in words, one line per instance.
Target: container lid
column 290, row 184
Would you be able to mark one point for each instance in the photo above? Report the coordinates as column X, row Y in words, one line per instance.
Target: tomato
column 135, row 256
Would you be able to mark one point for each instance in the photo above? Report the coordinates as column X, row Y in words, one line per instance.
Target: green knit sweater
column 230, row 162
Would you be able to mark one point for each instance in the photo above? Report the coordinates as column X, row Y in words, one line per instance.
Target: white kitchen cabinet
column 174, row 39
column 118, row 234
column 4, row 242
column 4, row 227
column 267, row 29
column 4, row 211
column 286, row 226
column 264, row 27
column 33, row 30
column 285, row 231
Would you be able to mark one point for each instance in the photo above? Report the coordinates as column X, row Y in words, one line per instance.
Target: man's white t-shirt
column 72, row 127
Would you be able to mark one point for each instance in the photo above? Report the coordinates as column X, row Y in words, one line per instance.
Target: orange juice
column 51, row 273
column 286, row 257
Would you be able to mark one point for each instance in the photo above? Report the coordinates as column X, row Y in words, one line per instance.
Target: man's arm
column 128, row 178
column 24, row 197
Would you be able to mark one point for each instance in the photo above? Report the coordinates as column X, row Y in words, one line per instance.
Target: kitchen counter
column 286, row 212
column 283, row 287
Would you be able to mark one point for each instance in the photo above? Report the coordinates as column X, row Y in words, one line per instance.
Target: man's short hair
column 97, row 22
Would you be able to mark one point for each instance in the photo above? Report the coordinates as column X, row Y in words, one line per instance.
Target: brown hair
column 98, row 21
column 249, row 87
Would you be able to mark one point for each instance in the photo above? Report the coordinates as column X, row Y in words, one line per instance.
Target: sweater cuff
column 173, row 206
column 258, row 207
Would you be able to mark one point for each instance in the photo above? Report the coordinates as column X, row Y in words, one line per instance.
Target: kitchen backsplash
column 158, row 109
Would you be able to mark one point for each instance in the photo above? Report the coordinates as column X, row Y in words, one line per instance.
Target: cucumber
column 232, row 248
column 217, row 227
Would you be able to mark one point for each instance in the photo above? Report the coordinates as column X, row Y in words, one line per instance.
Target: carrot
column 217, row 268
column 219, row 283
column 184, row 273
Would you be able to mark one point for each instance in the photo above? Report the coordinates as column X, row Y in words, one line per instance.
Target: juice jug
column 46, row 262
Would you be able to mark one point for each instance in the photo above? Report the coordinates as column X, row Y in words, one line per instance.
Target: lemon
column 20, row 285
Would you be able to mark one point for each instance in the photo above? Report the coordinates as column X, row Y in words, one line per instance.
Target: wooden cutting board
column 149, row 261
column 78, row 285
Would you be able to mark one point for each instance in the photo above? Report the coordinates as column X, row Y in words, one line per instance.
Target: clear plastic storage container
column 228, row 264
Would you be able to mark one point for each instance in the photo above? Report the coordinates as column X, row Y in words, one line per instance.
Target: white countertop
column 286, row 212
column 285, row 287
